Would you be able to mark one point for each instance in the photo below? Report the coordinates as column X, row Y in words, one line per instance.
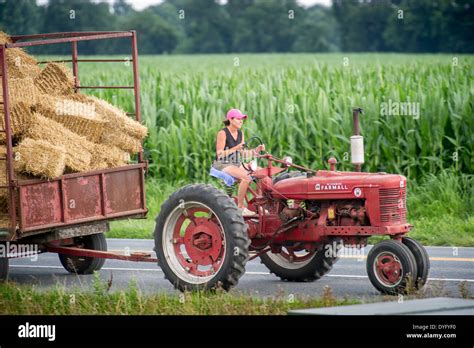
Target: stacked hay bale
column 56, row 130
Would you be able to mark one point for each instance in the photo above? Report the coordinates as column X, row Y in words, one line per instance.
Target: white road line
column 249, row 273
column 125, row 240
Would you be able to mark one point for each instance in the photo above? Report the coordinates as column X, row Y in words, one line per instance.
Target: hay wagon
column 69, row 214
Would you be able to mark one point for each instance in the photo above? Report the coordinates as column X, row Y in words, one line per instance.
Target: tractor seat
column 228, row 179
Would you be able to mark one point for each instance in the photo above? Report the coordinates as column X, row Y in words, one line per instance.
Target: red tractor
column 303, row 218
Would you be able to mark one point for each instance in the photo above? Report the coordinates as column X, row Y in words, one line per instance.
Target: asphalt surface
column 348, row 278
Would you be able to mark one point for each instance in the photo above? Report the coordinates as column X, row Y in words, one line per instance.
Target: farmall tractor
column 303, row 219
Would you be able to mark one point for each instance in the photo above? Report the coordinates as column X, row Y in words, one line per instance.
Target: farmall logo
column 330, row 187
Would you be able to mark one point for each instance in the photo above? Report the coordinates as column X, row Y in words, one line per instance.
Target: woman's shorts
column 220, row 165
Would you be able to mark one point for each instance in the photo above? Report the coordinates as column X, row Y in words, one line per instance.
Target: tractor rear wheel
column 85, row 265
column 391, row 267
column 300, row 266
column 201, row 239
column 422, row 260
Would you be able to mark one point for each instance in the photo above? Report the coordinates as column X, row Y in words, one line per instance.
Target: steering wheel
column 252, row 139
column 248, row 145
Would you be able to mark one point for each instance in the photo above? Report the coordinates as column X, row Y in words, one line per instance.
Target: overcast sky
column 141, row 4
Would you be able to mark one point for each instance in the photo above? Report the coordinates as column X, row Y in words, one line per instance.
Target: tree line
column 208, row 26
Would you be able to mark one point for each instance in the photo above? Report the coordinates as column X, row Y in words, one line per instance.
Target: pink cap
column 235, row 113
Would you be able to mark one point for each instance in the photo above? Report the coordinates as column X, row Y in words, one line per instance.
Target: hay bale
column 104, row 156
column 40, row 158
column 4, row 38
column 20, row 90
column 21, row 118
column 120, row 119
column 55, row 79
column 78, row 157
column 3, row 165
column 76, row 116
column 20, row 64
column 114, row 137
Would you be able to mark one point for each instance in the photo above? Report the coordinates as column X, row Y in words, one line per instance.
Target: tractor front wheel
column 201, row 239
column 391, row 267
column 422, row 260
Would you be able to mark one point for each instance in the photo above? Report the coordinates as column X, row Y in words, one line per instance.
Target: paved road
column 449, row 267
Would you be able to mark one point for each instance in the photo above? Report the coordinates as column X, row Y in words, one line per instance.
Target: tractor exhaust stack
column 357, row 142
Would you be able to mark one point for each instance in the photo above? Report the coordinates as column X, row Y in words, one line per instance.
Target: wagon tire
column 213, row 218
column 85, row 265
column 4, row 267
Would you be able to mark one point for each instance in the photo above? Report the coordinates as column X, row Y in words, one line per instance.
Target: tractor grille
column 393, row 209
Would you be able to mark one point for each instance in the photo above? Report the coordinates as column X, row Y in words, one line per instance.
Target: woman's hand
column 238, row 147
column 259, row 148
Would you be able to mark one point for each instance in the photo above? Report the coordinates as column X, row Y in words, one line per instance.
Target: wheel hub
column 201, row 246
column 388, row 268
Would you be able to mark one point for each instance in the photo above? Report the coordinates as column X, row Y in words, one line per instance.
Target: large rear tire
column 391, row 267
column 301, row 268
column 201, row 239
column 85, row 265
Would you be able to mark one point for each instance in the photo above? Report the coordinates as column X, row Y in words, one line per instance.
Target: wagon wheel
column 81, row 264
column 4, row 266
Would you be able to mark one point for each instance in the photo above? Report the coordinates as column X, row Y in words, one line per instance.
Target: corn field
column 300, row 105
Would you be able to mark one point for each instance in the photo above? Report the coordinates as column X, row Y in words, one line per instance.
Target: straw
column 20, row 119
column 55, row 79
column 78, row 157
column 40, row 158
column 78, row 117
column 120, row 119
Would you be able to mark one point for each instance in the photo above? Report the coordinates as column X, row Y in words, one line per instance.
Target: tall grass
column 27, row 300
column 301, row 106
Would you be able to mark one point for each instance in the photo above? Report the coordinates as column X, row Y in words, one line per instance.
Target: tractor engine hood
column 336, row 185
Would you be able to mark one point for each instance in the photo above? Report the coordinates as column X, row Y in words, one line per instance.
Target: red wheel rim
column 198, row 242
column 388, row 269
column 288, row 253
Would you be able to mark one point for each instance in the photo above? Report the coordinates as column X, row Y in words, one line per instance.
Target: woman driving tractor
column 230, row 152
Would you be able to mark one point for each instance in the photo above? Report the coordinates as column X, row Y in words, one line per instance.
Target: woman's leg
column 241, row 174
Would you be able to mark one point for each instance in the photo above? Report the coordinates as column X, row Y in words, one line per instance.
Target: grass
column 440, row 207
column 19, row 299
